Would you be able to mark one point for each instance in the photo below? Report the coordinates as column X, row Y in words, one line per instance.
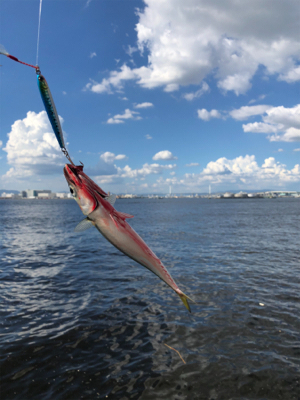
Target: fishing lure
column 48, row 102
column 51, row 111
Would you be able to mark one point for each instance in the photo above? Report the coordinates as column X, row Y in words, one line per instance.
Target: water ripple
column 81, row 320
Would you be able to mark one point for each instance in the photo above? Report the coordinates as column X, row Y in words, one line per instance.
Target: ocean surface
column 79, row 320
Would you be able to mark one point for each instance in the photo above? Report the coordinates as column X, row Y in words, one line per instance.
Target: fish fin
column 114, row 220
column 123, row 215
column 184, row 299
column 111, row 199
column 84, row 225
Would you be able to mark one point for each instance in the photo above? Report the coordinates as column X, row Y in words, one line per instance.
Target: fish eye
column 72, row 191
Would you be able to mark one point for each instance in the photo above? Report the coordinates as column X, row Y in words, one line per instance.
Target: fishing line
column 47, row 97
column 38, row 37
column 45, row 92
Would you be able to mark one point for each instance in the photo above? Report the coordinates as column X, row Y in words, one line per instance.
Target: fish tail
column 184, row 299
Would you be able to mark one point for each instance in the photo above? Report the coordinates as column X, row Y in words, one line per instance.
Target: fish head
column 81, row 188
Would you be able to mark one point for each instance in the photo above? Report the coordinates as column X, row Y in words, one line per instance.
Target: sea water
column 79, row 320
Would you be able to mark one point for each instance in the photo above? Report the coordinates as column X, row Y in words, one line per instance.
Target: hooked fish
column 98, row 207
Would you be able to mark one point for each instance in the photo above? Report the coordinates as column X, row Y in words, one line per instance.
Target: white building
column 63, row 195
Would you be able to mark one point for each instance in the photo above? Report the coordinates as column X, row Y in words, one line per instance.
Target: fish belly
column 125, row 239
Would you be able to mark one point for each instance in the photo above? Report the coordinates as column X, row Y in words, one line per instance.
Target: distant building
column 128, row 196
column 44, row 194
column 9, row 195
column 241, row 195
column 62, row 195
column 33, row 194
column 228, row 195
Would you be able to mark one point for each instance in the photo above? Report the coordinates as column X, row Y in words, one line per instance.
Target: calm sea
column 79, row 320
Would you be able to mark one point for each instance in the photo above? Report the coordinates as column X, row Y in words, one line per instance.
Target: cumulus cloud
column 296, row 150
column 109, row 157
column 120, row 175
column 164, row 155
column 1, row 143
column 282, row 122
column 93, row 54
column 248, row 111
column 147, row 169
column 188, row 41
column 128, row 114
column 260, row 127
column 291, row 76
column 237, row 166
column 115, row 81
column 249, row 172
column 32, row 148
column 148, row 136
column 195, row 164
column 207, row 115
column 143, row 105
column 242, row 172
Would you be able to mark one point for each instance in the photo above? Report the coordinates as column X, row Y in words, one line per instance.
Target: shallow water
column 79, row 320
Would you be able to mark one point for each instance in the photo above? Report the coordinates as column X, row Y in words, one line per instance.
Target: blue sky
column 153, row 93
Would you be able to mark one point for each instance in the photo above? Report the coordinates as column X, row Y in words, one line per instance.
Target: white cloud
column 296, row 150
column 114, row 121
column 261, row 97
column 191, row 96
column 207, row 115
column 246, row 170
column 239, row 165
column 1, row 143
column 242, row 172
column 195, row 164
column 187, row 41
column 291, row 76
column 121, row 157
column 280, row 150
column 143, row 105
column 147, row 169
column 109, row 157
column 32, row 149
column 130, row 50
column 128, row 114
column 287, row 117
column 280, row 123
column 248, row 111
column 291, row 135
column 148, row 136
column 283, row 122
column 164, row 155
column 93, row 54
column 260, row 127
column 115, row 80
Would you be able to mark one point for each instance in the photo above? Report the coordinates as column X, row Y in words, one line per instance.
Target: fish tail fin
column 184, row 299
